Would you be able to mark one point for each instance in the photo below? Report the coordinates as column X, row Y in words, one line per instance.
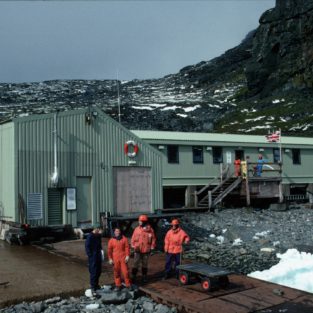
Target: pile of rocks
column 246, row 240
column 99, row 305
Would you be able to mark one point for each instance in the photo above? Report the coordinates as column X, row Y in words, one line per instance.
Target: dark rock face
column 282, row 54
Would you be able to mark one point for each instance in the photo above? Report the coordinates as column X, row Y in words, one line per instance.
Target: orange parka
column 118, row 249
column 174, row 239
column 143, row 239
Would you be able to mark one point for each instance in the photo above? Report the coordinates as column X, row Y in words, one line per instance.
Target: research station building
column 68, row 167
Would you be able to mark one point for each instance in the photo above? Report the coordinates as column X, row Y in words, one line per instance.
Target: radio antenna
column 118, row 97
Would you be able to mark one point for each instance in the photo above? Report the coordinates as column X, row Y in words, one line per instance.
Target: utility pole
column 118, row 98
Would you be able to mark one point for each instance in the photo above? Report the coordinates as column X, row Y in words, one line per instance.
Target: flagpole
column 280, row 147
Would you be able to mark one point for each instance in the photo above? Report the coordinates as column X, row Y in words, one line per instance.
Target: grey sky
column 42, row 40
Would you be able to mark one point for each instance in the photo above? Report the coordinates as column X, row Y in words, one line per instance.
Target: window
column 217, row 155
column 172, row 154
column 197, row 154
column 276, row 155
column 296, row 159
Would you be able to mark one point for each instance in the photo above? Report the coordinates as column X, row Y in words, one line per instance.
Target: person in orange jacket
column 173, row 246
column 237, row 166
column 143, row 241
column 118, row 254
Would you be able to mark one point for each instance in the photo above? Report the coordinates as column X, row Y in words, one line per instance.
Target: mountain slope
column 264, row 83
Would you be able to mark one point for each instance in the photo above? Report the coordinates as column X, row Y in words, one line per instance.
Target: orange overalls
column 118, row 250
column 237, row 167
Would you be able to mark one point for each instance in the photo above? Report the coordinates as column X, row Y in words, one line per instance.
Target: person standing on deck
column 118, row 254
column 94, row 252
column 143, row 241
column 173, row 247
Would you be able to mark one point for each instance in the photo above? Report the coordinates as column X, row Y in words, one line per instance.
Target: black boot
column 144, row 274
column 134, row 274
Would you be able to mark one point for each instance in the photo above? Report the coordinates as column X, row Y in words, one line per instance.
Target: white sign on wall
column 228, row 157
column 71, row 198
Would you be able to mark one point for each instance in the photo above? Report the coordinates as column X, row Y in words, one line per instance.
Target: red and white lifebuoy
column 131, row 148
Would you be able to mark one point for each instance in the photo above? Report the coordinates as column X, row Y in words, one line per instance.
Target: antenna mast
column 118, row 98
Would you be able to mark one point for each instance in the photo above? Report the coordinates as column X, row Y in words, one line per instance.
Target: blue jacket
column 93, row 246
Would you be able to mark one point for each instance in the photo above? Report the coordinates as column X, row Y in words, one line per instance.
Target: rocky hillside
column 263, row 83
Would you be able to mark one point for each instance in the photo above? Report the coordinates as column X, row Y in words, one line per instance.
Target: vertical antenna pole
column 118, row 98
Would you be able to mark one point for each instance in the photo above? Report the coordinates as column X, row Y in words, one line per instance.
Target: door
column 132, row 187
column 83, row 196
column 239, row 154
column 55, row 216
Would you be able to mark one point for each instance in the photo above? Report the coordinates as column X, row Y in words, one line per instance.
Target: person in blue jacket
column 259, row 167
column 94, row 252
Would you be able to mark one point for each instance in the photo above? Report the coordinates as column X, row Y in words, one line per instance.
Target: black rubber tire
column 206, row 284
column 223, row 281
column 183, row 278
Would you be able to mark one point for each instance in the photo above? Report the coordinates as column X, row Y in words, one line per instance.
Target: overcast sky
column 44, row 40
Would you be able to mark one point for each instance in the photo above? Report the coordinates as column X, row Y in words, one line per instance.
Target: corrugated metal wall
column 83, row 150
column 7, row 195
column 187, row 173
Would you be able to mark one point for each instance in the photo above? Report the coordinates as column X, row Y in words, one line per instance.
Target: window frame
column 220, row 158
column 201, row 159
column 275, row 160
column 169, row 160
column 298, row 156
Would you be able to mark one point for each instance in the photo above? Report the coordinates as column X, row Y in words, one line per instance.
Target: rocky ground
column 107, row 302
column 246, row 240
column 242, row 240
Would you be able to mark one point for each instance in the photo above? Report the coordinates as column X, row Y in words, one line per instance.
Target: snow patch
column 295, row 270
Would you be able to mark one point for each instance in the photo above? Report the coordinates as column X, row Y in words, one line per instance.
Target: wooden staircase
column 216, row 193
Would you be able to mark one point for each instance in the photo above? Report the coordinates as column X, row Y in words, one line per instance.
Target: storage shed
column 68, row 167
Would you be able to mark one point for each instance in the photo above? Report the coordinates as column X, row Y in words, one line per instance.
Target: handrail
column 224, row 173
column 220, row 185
column 231, row 187
column 207, row 186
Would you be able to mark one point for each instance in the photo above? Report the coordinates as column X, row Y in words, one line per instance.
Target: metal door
column 83, row 196
column 132, row 187
column 55, row 215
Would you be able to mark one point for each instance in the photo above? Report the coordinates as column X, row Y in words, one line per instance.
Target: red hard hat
column 143, row 218
column 175, row 222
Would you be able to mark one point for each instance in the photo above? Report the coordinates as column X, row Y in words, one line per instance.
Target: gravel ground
column 245, row 240
column 107, row 302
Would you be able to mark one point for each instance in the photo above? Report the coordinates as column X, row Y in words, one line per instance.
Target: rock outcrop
column 282, row 53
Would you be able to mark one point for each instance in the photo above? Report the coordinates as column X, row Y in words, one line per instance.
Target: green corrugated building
column 68, row 167
column 192, row 160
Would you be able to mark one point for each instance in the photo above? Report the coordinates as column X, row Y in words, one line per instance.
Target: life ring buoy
column 135, row 148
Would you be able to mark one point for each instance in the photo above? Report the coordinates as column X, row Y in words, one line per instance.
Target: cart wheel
column 184, row 278
column 206, row 284
column 223, row 281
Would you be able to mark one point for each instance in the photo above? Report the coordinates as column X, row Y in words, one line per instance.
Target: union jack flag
column 274, row 137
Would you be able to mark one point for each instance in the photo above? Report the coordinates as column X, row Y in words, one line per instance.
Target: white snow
column 214, row 106
column 92, row 306
column 174, row 107
column 142, row 108
column 237, row 242
column 263, row 233
column 254, row 119
column 212, row 236
column 220, row 239
column 190, row 109
column 182, row 115
column 295, row 270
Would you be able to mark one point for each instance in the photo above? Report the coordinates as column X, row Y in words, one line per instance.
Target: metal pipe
column 55, row 175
